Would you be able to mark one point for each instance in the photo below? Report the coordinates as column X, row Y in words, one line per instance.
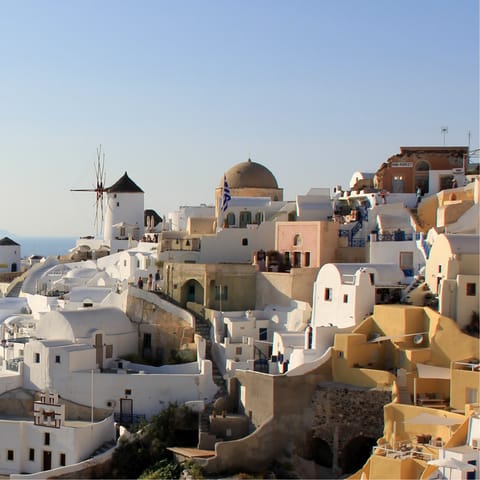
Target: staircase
column 202, row 328
column 403, row 395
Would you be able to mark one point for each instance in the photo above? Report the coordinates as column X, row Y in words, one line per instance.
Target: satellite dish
column 418, row 339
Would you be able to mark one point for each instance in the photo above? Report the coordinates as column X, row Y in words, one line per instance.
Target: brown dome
column 250, row 175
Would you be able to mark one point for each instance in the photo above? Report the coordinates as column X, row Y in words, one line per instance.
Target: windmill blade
column 99, row 188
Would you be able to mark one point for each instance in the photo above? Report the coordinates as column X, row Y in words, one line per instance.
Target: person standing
column 150, row 282
column 419, row 194
column 140, row 282
column 156, row 283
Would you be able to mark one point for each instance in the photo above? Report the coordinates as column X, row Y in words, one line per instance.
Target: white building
column 10, row 255
column 393, row 239
column 178, row 220
column 130, row 264
column 244, row 340
column 51, row 440
column 345, row 293
column 316, row 205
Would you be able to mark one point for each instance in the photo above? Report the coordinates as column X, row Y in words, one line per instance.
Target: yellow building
column 452, row 273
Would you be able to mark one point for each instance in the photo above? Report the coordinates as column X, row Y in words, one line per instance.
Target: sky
column 178, row 92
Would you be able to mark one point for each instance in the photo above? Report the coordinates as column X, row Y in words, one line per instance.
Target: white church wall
column 229, row 244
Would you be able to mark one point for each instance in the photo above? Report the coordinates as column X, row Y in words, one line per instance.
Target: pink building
column 308, row 243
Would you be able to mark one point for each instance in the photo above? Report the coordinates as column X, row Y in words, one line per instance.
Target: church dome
column 250, row 175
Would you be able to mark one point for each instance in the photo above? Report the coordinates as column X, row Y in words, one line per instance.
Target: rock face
column 347, row 421
column 162, row 334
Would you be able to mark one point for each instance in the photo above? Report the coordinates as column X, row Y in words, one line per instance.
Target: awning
column 430, row 419
column 432, row 371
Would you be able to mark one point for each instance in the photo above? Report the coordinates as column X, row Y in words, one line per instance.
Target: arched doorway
column 192, row 291
column 422, row 170
column 356, row 452
column 322, row 453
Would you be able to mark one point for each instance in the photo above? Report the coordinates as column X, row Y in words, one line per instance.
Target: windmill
column 99, row 189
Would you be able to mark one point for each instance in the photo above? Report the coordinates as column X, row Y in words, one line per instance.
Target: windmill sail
column 99, row 189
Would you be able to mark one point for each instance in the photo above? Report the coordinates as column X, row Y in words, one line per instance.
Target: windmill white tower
column 124, row 214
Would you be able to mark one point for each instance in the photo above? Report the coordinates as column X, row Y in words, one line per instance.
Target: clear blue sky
column 177, row 92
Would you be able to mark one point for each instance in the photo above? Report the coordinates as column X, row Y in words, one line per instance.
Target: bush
column 148, row 450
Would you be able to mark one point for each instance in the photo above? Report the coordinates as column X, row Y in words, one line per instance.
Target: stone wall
column 344, row 414
column 169, row 332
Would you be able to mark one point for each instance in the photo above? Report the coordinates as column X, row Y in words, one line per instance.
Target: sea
column 44, row 246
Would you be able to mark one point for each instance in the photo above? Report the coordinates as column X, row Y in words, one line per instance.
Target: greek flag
column 226, row 194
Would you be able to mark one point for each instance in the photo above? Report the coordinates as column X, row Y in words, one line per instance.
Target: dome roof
column 250, row 175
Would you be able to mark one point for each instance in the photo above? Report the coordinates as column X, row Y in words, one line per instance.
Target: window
column 62, row 460
column 439, row 269
column 238, row 350
column 109, row 351
column 128, row 391
column 244, row 241
column 307, row 259
column 328, row 295
column 345, row 298
column 258, row 218
column 10, row 455
column 471, row 395
column 372, row 278
column 471, row 289
column 221, row 292
column 262, row 333
column 406, row 263
column 297, row 240
column 36, row 358
column 297, row 256
column 231, row 219
column 31, row 454
column 118, row 204
column 57, row 358
column 46, row 439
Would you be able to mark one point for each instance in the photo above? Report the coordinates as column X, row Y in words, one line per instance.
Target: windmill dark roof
column 8, row 241
column 124, row 185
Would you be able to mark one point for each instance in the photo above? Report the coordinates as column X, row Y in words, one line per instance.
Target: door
column 99, row 349
column 126, row 410
column 398, row 184
column 47, row 460
column 245, row 219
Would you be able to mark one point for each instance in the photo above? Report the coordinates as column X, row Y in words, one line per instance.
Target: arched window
column 231, row 219
column 297, row 240
column 422, row 170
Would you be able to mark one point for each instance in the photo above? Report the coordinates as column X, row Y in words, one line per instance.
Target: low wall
column 96, row 467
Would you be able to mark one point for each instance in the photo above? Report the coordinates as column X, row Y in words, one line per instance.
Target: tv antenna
column 444, row 131
column 99, row 188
